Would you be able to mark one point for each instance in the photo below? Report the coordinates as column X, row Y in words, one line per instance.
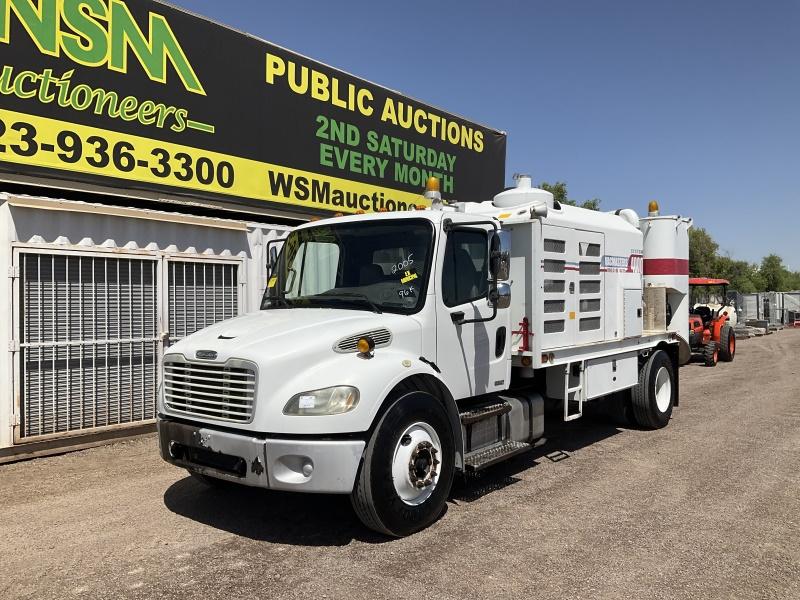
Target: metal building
column 95, row 293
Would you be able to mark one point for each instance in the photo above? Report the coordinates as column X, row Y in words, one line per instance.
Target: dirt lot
column 707, row 508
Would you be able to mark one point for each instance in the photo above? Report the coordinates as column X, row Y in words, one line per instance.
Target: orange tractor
column 711, row 323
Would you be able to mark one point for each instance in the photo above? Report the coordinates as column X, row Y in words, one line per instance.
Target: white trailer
column 394, row 350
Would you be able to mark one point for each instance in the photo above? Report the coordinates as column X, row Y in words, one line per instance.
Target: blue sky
column 696, row 104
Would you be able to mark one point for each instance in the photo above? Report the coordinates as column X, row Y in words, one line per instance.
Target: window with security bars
column 89, row 346
column 200, row 294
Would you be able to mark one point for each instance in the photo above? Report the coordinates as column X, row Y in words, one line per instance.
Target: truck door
column 472, row 357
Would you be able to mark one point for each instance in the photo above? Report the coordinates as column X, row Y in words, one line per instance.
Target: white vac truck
column 394, row 350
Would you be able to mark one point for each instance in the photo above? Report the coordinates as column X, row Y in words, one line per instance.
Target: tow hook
column 422, row 466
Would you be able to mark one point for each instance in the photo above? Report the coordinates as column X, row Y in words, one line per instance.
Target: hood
column 286, row 331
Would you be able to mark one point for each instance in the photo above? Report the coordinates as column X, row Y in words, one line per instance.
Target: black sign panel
column 141, row 95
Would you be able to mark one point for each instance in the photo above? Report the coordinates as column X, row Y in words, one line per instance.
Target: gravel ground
column 707, row 508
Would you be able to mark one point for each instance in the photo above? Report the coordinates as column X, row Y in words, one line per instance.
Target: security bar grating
column 89, row 345
column 200, row 294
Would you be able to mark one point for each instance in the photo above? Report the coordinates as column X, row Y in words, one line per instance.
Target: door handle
column 457, row 317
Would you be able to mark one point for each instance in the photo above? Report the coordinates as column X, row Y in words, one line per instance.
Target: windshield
column 376, row 266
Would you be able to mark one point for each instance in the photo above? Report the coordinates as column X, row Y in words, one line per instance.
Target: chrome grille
column 381, row 337
column 221, row 391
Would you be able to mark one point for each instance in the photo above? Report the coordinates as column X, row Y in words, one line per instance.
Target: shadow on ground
column 329, row 520
column 271, row 516
column 563, row 439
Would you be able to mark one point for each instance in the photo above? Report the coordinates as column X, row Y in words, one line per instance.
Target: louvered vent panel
column 557, row 246
column 590, row 287
column 554, row 266
column 589, row 324
column 554, row 326
column 553, row 306
column 589, row 268
column 590, row 305
column 554, row 286
column 381, row 337
column 88, row 342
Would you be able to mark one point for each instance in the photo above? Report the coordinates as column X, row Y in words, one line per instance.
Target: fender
column 429, row 386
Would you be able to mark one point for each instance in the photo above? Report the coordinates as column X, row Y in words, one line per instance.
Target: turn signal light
column 366, row 345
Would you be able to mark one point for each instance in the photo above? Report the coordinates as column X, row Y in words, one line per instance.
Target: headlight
column 327, row 401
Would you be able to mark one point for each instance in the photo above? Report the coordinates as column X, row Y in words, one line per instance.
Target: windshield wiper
column 352, row 296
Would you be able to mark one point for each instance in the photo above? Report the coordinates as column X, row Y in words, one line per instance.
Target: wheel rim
column 663, row 389
column 416, row 463
column 732, row 346
column 716, row 356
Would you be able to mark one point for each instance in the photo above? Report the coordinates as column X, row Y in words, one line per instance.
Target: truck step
column 486, row 457
column 484, row 412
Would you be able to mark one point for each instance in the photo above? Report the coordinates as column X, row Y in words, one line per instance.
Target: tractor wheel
column 727, row 344
column 711, row 354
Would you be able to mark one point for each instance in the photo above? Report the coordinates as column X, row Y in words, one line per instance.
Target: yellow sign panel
column 42, row 142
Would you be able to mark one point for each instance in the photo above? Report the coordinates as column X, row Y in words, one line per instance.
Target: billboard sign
column 138, row 94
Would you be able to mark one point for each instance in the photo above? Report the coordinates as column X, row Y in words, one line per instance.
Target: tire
column 711, row 354
column 654, row 396
column 387, row 470
column 727, row 343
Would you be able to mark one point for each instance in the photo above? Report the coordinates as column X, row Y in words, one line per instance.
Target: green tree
column 559, row 191
column 744, row 276
column 702, row 253
column 776, row 275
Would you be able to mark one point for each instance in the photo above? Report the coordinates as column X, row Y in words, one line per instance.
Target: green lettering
column 90, row 45
column 41, row 23
column 153, row 51
column 18, row 81
column 128, row 108
column 326, row 155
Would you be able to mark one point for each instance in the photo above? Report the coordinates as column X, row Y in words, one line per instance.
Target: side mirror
column 500, row 255
column 500, row 297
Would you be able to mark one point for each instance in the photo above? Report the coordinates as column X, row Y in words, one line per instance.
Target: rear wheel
column 654, row 396
column 727, row 343
column 711, row 354
column 408, row 468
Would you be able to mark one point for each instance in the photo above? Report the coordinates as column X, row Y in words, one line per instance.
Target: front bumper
column 317, row 466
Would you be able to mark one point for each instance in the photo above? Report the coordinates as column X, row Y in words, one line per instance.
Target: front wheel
column 711, row 354
column 654, row 396
column 727, row 343
column 408, row 467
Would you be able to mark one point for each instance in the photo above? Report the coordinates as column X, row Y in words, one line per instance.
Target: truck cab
column 380, row 363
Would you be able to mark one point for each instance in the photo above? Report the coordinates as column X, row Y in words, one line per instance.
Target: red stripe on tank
column 666, row 266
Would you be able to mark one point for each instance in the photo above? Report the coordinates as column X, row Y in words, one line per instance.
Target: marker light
column 652, row 208
column 432, row 192
column 327, row 401
column 365, row 345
